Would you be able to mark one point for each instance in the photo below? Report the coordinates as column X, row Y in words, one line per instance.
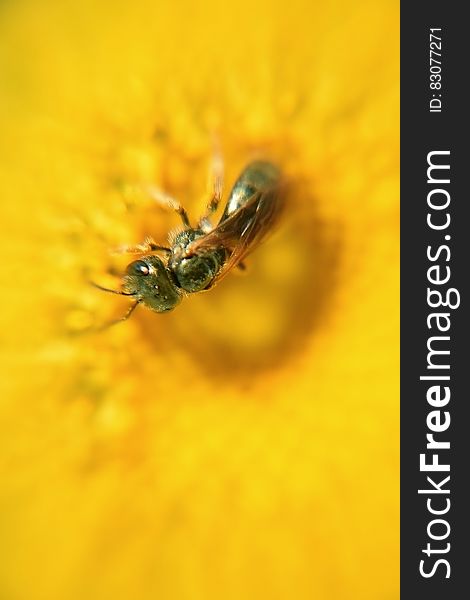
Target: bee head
column 148, row 280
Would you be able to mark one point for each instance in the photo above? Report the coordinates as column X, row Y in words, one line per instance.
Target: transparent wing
column 244, row 230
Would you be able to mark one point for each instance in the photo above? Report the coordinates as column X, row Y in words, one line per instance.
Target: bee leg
column 215, row 185
column 241, row 266
column 148, row 245
column 126, row 315
column 166, row 201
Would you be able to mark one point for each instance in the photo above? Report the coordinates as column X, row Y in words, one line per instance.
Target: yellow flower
column 246, row 444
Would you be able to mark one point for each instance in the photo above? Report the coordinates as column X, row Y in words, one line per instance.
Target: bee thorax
column 195, row 273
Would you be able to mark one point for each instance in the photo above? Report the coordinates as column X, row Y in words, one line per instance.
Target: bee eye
column 138, row 267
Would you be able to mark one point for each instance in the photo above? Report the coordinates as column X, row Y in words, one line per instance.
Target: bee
column 199, row 257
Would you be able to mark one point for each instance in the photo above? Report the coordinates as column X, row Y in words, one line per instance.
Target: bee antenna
column 105, row 289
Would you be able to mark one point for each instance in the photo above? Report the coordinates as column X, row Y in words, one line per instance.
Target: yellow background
column 244, row 446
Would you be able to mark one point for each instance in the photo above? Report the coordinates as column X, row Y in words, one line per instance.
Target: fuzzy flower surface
column 244, row 445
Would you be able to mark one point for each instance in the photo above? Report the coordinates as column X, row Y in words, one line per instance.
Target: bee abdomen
column 258, row 176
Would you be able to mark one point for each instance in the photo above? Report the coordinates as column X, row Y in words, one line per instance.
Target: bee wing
column 244, row 229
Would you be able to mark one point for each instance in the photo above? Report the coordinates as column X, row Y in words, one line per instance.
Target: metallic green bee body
column 194, row 273
column 199, row 257
column 256, row 178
